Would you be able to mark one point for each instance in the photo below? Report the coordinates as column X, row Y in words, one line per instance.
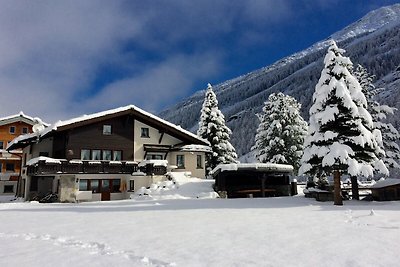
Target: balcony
column 43, row 167
column 93, row 167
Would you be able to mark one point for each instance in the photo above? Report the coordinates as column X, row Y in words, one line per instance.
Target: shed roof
column 260, row 167
column 385, row 183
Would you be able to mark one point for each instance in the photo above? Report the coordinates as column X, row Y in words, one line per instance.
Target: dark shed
column 252, row 179
column 386, row 190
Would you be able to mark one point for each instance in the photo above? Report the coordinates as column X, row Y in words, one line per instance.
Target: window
column 180, row 161
column 10, row 167
column 94, row 186
column 107, row 155
column 105, row 185
column 117, row 155
column 43, row 154
column 132, row 185
column 199, row 162
column 154, row 156
column 83, row 185
column 96, row 154
column 115, row 185
column 8, row 189
column 144, row 132
column 1, row 144
column 24, row 130
column 1, row 167
column 106, row 129
column 12, row 129
column 85, row 154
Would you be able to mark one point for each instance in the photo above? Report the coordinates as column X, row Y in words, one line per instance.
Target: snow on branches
column 212, row 128
column 341, row 136
column 379, row 113
column 280, row 134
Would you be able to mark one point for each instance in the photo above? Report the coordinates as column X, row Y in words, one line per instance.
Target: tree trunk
column 354, row 188
column 337, row 194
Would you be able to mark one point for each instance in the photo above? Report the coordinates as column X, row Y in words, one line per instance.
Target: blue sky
column 60, row 59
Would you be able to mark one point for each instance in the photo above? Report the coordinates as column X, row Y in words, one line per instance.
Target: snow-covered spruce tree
column 280, row 134
column 341, row 138
column 379, row 113
column 212, row 128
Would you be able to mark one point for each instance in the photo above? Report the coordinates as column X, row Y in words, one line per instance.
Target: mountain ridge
column 371, row 41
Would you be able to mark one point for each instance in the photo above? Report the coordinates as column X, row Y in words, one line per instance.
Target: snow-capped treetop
column 341, row 135
column 280, row 134
column 379, row 113
column 212, row 128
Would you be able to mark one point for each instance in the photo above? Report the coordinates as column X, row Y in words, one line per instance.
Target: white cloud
column 52, row 51
column 158, row 85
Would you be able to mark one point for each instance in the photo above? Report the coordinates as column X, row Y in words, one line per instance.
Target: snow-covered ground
column 173, row 229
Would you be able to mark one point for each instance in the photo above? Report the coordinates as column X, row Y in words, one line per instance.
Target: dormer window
column 12, row 129
column 144, row 132
column 106, row 129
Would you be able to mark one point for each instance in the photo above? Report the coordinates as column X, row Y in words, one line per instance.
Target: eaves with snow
column 139, row 114
column 385, row 183
column 253, row 166
column 21, row 117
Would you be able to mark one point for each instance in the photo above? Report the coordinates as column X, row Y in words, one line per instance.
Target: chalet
column 253, row 179
column 386, row 190
column 106, row 155
column 10, row 161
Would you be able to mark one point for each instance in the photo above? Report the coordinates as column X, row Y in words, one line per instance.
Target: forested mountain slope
column 373, row 41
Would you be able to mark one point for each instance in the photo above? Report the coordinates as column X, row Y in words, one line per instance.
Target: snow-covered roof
column 253, row 166
column 385, row 183
column 19, row 117
column 155, row 162
column 45, row 159
column 84, row 118
column 196, row 148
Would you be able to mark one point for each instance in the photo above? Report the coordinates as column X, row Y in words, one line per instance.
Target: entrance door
column 105, row 190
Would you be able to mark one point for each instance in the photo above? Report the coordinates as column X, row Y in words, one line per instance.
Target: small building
column 106, row 155
column 252, row 180
column 386, row 190
column 10, row 161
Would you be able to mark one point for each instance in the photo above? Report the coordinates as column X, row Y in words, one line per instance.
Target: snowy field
column 173, row 227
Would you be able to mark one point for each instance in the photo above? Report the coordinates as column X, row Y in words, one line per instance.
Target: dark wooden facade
column 387, row 193
column 68, row 144
column 256, row 183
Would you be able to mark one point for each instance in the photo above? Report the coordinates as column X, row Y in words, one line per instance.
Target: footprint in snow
column 370, row 219
column 95, row 248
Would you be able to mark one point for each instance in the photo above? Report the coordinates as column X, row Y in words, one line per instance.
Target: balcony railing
column 93, row 167
column 43, row 167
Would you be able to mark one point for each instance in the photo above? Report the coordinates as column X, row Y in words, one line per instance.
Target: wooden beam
column 337, row 195
column 263, row 178
column 161, row 137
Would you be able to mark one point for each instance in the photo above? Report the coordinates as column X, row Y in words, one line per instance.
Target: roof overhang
column 131, row 110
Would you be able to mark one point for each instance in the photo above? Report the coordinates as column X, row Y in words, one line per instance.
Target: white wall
column 154, row 137
column 190, row 163
column 46, row 145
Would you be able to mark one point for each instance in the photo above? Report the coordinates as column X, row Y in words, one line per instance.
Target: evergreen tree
column 341, row 138
column 212, row 128
column 379, row 114
column 280, row 134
